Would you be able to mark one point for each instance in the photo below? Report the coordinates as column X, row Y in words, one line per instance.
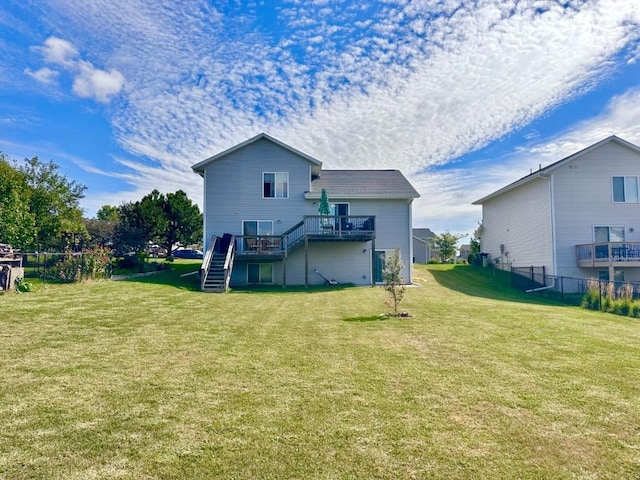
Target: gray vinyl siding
column 233, row 193
column 393, row 226
column 346, row 263
column 521, row 221
column 233, row 189
column 583, row 199
column 419, row 251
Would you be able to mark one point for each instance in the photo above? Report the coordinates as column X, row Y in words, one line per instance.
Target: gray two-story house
column 261, row 221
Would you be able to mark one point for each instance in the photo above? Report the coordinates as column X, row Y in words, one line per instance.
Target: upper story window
column 275, row 185
column 625, row 189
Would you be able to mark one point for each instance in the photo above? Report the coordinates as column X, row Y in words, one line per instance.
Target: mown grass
column 150, row 378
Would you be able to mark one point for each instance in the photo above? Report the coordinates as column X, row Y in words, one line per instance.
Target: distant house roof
column 423, row 234
column 550, row 168
column 200, row 166
column 362, row 184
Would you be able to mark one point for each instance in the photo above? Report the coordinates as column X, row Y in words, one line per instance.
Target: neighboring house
column 261, row 211
column 578, row 217
column 422, row 249
column 463, row 252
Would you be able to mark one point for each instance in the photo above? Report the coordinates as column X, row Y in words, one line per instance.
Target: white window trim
column 259, row 277
column 275, row 174
column 624, row 177
column 258, row 220
column 624, row 230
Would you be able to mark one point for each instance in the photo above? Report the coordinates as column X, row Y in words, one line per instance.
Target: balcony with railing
column 313, row 228
column 607, row 254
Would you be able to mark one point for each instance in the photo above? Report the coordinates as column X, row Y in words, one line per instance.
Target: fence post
column 600, row 292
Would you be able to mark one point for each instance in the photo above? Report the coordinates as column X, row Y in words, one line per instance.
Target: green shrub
column 75, row 267
column 620, row 306
column 22, row 286
column 591, row 298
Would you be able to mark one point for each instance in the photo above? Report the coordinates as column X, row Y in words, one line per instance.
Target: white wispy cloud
column 408, row 85
column 452, row 192
column 44, row 75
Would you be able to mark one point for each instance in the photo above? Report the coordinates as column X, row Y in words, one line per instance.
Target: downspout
column 204, row 210
column 553, row 284
column 410, row 242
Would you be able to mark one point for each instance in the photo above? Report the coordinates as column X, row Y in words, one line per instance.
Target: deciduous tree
column 54, row 200
column 17, row 223
column 108, row 213
column 40, row 205
column 445, row 244
column 394, row 284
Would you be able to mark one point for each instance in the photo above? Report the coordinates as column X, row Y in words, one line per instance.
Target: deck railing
column 339, row 224
column 321, row 227
column 260, row 244
column 609, row 252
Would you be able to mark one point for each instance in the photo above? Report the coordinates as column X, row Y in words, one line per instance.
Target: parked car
column 187, row 253
column 157, row 251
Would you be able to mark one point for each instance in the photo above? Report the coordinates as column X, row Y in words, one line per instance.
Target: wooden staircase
column 218, row 264
column 215, row 278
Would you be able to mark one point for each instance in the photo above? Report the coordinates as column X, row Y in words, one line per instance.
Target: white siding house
column 578, row 217
column 266, row 194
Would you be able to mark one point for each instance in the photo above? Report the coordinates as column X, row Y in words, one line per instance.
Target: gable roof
column 423, row 234
column 554, row 166
column 200, row 166
column 389, row 184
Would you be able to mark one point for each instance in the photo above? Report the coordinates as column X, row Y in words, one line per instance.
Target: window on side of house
column 604, row 234
column 625, row 189
column 275, row 185
column 260, row 273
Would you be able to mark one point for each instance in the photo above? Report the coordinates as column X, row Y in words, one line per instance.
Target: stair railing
column 228, row 261
column 206, row 261
column 294, row 235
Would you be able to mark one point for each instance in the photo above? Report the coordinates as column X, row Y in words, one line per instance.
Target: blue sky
column 462, row 96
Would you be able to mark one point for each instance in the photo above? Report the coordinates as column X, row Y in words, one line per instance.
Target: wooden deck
column 313, row 228
column 608, row 254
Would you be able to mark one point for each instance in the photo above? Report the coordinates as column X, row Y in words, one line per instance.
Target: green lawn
column 150, row 378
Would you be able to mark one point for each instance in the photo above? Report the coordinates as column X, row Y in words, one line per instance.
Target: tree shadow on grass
column 183, row 275
column 490, row 283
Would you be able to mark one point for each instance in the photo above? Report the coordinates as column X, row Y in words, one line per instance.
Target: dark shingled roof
column 423, row 233
column 362, row 184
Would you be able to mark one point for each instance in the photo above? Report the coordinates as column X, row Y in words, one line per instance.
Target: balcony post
column 611, row 272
